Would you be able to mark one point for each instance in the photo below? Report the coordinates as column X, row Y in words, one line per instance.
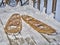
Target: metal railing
column 34, row 2
column 45, row 4
column 12, row 1
column 2, row 3
column 50, row 5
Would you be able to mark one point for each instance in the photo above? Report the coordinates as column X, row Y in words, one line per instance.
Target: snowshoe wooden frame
column 14, row 20
column 38, row 25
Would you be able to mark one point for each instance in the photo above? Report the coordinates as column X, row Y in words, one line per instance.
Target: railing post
column 3, row 3
column 41, row 5
column 54, row 6
column 7, row 1
column 38, row 4
column 57, row 15
column 33, row 3
column 45, row 5
column 49, row 7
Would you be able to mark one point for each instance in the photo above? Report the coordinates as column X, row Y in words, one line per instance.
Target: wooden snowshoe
column 38, row 25
column 14, row 24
